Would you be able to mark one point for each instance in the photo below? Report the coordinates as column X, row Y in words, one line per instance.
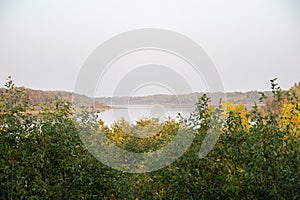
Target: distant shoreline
column 128, row 106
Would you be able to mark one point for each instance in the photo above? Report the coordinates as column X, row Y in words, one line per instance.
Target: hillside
column 40, row 97
column 295, row 89
column 247, row 98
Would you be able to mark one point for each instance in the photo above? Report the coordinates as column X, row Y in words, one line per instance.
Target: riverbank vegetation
column 257, row 155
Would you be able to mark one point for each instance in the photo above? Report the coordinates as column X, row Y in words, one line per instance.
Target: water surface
column 132, row 113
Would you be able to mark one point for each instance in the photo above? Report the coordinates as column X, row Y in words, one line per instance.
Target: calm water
column 132, row 113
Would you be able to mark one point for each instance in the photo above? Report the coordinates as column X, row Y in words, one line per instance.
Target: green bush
column 42, row 156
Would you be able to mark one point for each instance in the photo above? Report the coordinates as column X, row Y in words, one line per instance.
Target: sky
column 44, row 43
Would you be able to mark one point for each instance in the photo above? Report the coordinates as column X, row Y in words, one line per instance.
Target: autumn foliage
column 256, row 157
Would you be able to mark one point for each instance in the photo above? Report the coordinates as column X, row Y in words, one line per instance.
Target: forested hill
column 246, row 98
column 41, row 97
column 295, row 90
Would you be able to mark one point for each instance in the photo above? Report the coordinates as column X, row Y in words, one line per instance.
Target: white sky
column 44, row 43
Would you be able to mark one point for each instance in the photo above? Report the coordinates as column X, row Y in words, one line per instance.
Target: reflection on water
column 132, row 113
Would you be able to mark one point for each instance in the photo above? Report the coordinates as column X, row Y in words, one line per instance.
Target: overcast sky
column 43, row 43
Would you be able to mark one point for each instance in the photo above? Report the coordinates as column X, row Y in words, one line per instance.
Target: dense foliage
column 257, row 155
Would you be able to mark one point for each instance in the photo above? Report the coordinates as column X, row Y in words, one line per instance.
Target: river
column 132, row 113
